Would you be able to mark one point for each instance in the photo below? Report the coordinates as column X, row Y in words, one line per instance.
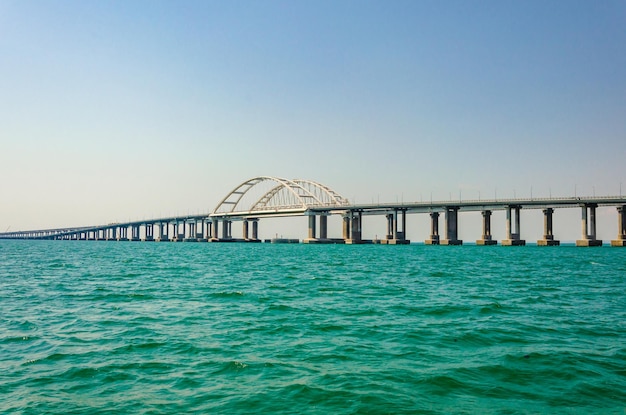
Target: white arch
column 286, row 194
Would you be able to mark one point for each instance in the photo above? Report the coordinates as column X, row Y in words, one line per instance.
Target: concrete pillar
column 215, row 235
column 134, row 233
column 352, row 228
column 589, row 229
column 396, row 228
column 389, row 226
column 434, row 229
column 163, row 232
column 451, row 222
column 255, row 229
column 201, row 235
column 149, row 232
column 508, row 222
column 487, row 238
column 191, row 231
column 592, row 217
column 548, row 234
column 324, row 226
column 245, row 229
column 123, row 234
column 621, row 227
column 513, row 235
column 225, row 229
column 347, row 219
column 312, row 229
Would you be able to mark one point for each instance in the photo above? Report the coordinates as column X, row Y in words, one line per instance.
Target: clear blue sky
column 118, row 110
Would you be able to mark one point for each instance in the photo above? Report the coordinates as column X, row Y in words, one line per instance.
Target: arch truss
column 276, row 194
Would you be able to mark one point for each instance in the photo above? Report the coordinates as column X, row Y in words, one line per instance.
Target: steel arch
column 286, row 194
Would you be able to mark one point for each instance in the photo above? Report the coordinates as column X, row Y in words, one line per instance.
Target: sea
column 96, row 327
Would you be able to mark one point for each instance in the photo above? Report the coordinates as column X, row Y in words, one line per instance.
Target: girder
column 278, row 194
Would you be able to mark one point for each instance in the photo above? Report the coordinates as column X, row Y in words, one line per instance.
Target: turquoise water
column 148, row 328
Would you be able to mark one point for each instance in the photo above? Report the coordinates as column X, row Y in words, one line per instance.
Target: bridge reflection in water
column 265, row 196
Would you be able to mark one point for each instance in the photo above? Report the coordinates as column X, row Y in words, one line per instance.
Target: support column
column 323, row 226
column 192, row 232
column 312, row 230
column 215, row 236
column 621, row 227
column 323, row 231
column 487, row 238
column 225, row 229
column 134, row 229
column 255, row 230
column 434, row 229
column 548, row 234
column 123, row 234
column 149, row 232
column 396, row 228
column 589, row 229
column 513, row 235
column 245, row 229
column 202, row 236
column 347, row 222
column 451, row 218
column 355, row 228
column 163, row 232
column 389, row 226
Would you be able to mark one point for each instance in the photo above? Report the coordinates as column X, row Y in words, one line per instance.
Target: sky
column 123, row 110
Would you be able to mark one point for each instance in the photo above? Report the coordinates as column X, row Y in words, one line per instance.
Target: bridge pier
column 323, row 230
column 192, row 231
column 214, row 231
column 123, row 233
column 255, row 230
column 548, row 235
column 487, row 239
column 589, row 227
column 202, row 237
column 451, row 218
column 149, row 237
column 394, row 235
column 352, row 228
column 134, row 229
column 513, row 236
column 324, row 226
column 226, row 230
column 434, row 229
column 621, row 227
column 163, row 231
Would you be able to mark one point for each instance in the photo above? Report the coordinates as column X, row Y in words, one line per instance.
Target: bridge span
column 265, row 196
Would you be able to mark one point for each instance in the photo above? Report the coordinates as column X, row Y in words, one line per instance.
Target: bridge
column 265, row 196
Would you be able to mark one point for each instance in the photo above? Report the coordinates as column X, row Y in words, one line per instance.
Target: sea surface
column 164, row 328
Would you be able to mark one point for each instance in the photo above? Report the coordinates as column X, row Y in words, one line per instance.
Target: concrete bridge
column 265, row 196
